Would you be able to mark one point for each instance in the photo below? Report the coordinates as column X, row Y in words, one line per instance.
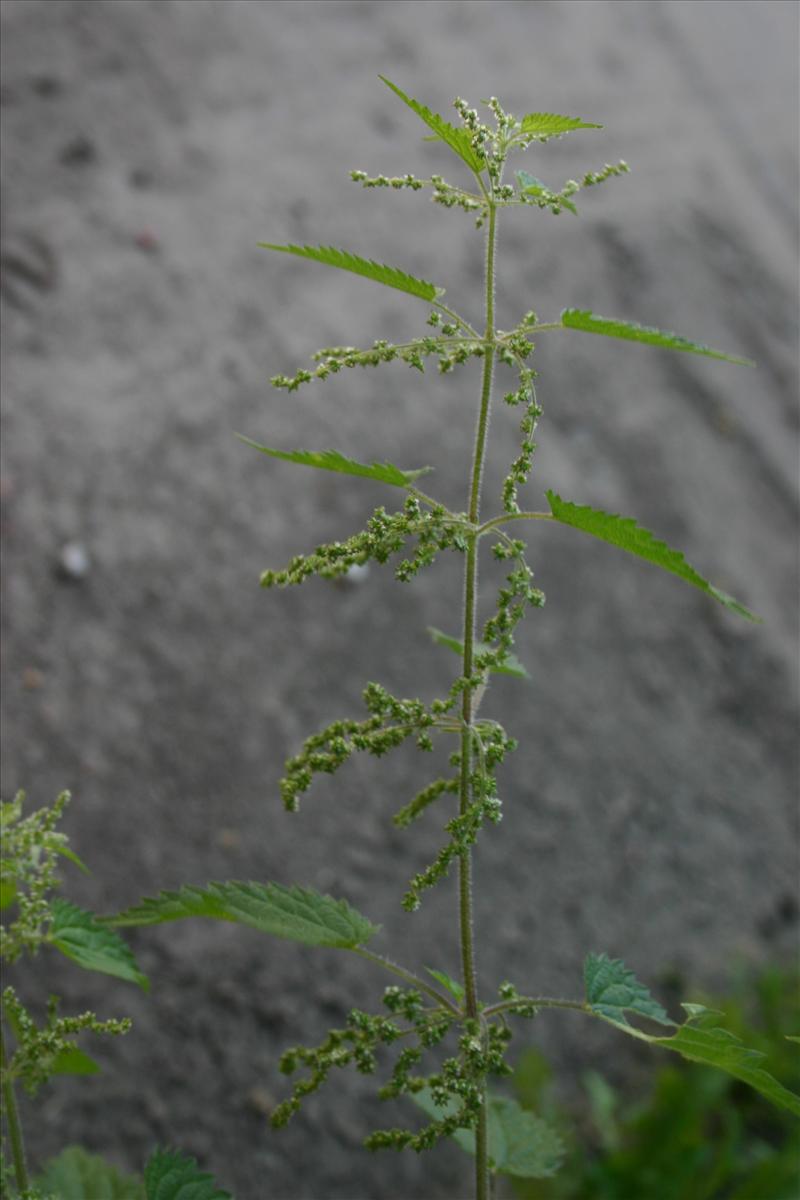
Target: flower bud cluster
column 385, row 534
column 452, row 351
column 395, row 181
column 356, row 1044
column 513, row 600
column 390, row 723
column 427, row 796
column 521, row 467
column 38, row 1048
column 608, row 171
column 450, row 196
column 30, row 852
column 465, row 827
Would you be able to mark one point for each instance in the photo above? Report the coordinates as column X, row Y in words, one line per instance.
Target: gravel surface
column 651, row 810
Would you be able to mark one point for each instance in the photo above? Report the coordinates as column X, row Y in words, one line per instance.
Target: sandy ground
column 651, row 808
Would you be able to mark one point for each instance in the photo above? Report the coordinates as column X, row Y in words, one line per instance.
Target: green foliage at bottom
column 698, row 1135
column 169, row 1175
column 77, row 1175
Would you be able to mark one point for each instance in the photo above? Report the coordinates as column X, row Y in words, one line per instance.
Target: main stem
column 13, row 1125
column 467, row 707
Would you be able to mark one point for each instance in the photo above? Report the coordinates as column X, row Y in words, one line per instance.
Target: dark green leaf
column 511, row 666
column 331, row 460
column 390, row 276
column 589, row 322
column 76, row 1175
column 547, row 125
column 457, row 139
column 520, row 1143
column 170, row 1175
column 611, row 990
column 298, row 914
column 80, row 936
column 625, row 533
column 719, row 1048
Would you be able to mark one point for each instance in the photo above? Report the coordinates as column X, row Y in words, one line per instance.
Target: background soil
column 651, row 808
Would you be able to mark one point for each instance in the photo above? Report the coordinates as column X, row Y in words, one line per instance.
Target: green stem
column 409, row 977
column 470, row 607
column 13, row 1121
column 520, row 516
column 537, row 1002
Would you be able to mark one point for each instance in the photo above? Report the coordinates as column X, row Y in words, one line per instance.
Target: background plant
column 696, row 1134
column 33, row 1051
column 421, row 1016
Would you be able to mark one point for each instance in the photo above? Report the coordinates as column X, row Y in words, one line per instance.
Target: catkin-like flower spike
column 423, row 799
column 451, row 344
column 608, row 172
column 391, row 722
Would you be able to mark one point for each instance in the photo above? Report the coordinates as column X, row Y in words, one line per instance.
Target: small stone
column 147, row 241
column 260, row 1101
column 32, row 679
column 229, row 839
column 73, row 561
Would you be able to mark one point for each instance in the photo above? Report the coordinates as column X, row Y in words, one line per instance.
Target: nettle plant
column 426, row 1010
column 35, row 1049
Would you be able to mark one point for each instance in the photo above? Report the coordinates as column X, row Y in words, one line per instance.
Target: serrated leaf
column 299, row 914
column 390, row 276
column 519, row 1143
column 589, row 322
column 332, row 460
column 511, row 666
column 612, row 990
column 457, row 139
column 80, row 936
column 170, row 1175
column 451, row 985
column 625, row 533
column 76, row 1175
column 546, row 125
column 73, row 1061
column 722, row 1049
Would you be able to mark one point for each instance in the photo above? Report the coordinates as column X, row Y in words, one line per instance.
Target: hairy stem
column 467, row 708
column 11, row 1114
column 409, row 977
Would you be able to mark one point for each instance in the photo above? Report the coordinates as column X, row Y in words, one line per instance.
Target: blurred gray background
column 651, row 810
